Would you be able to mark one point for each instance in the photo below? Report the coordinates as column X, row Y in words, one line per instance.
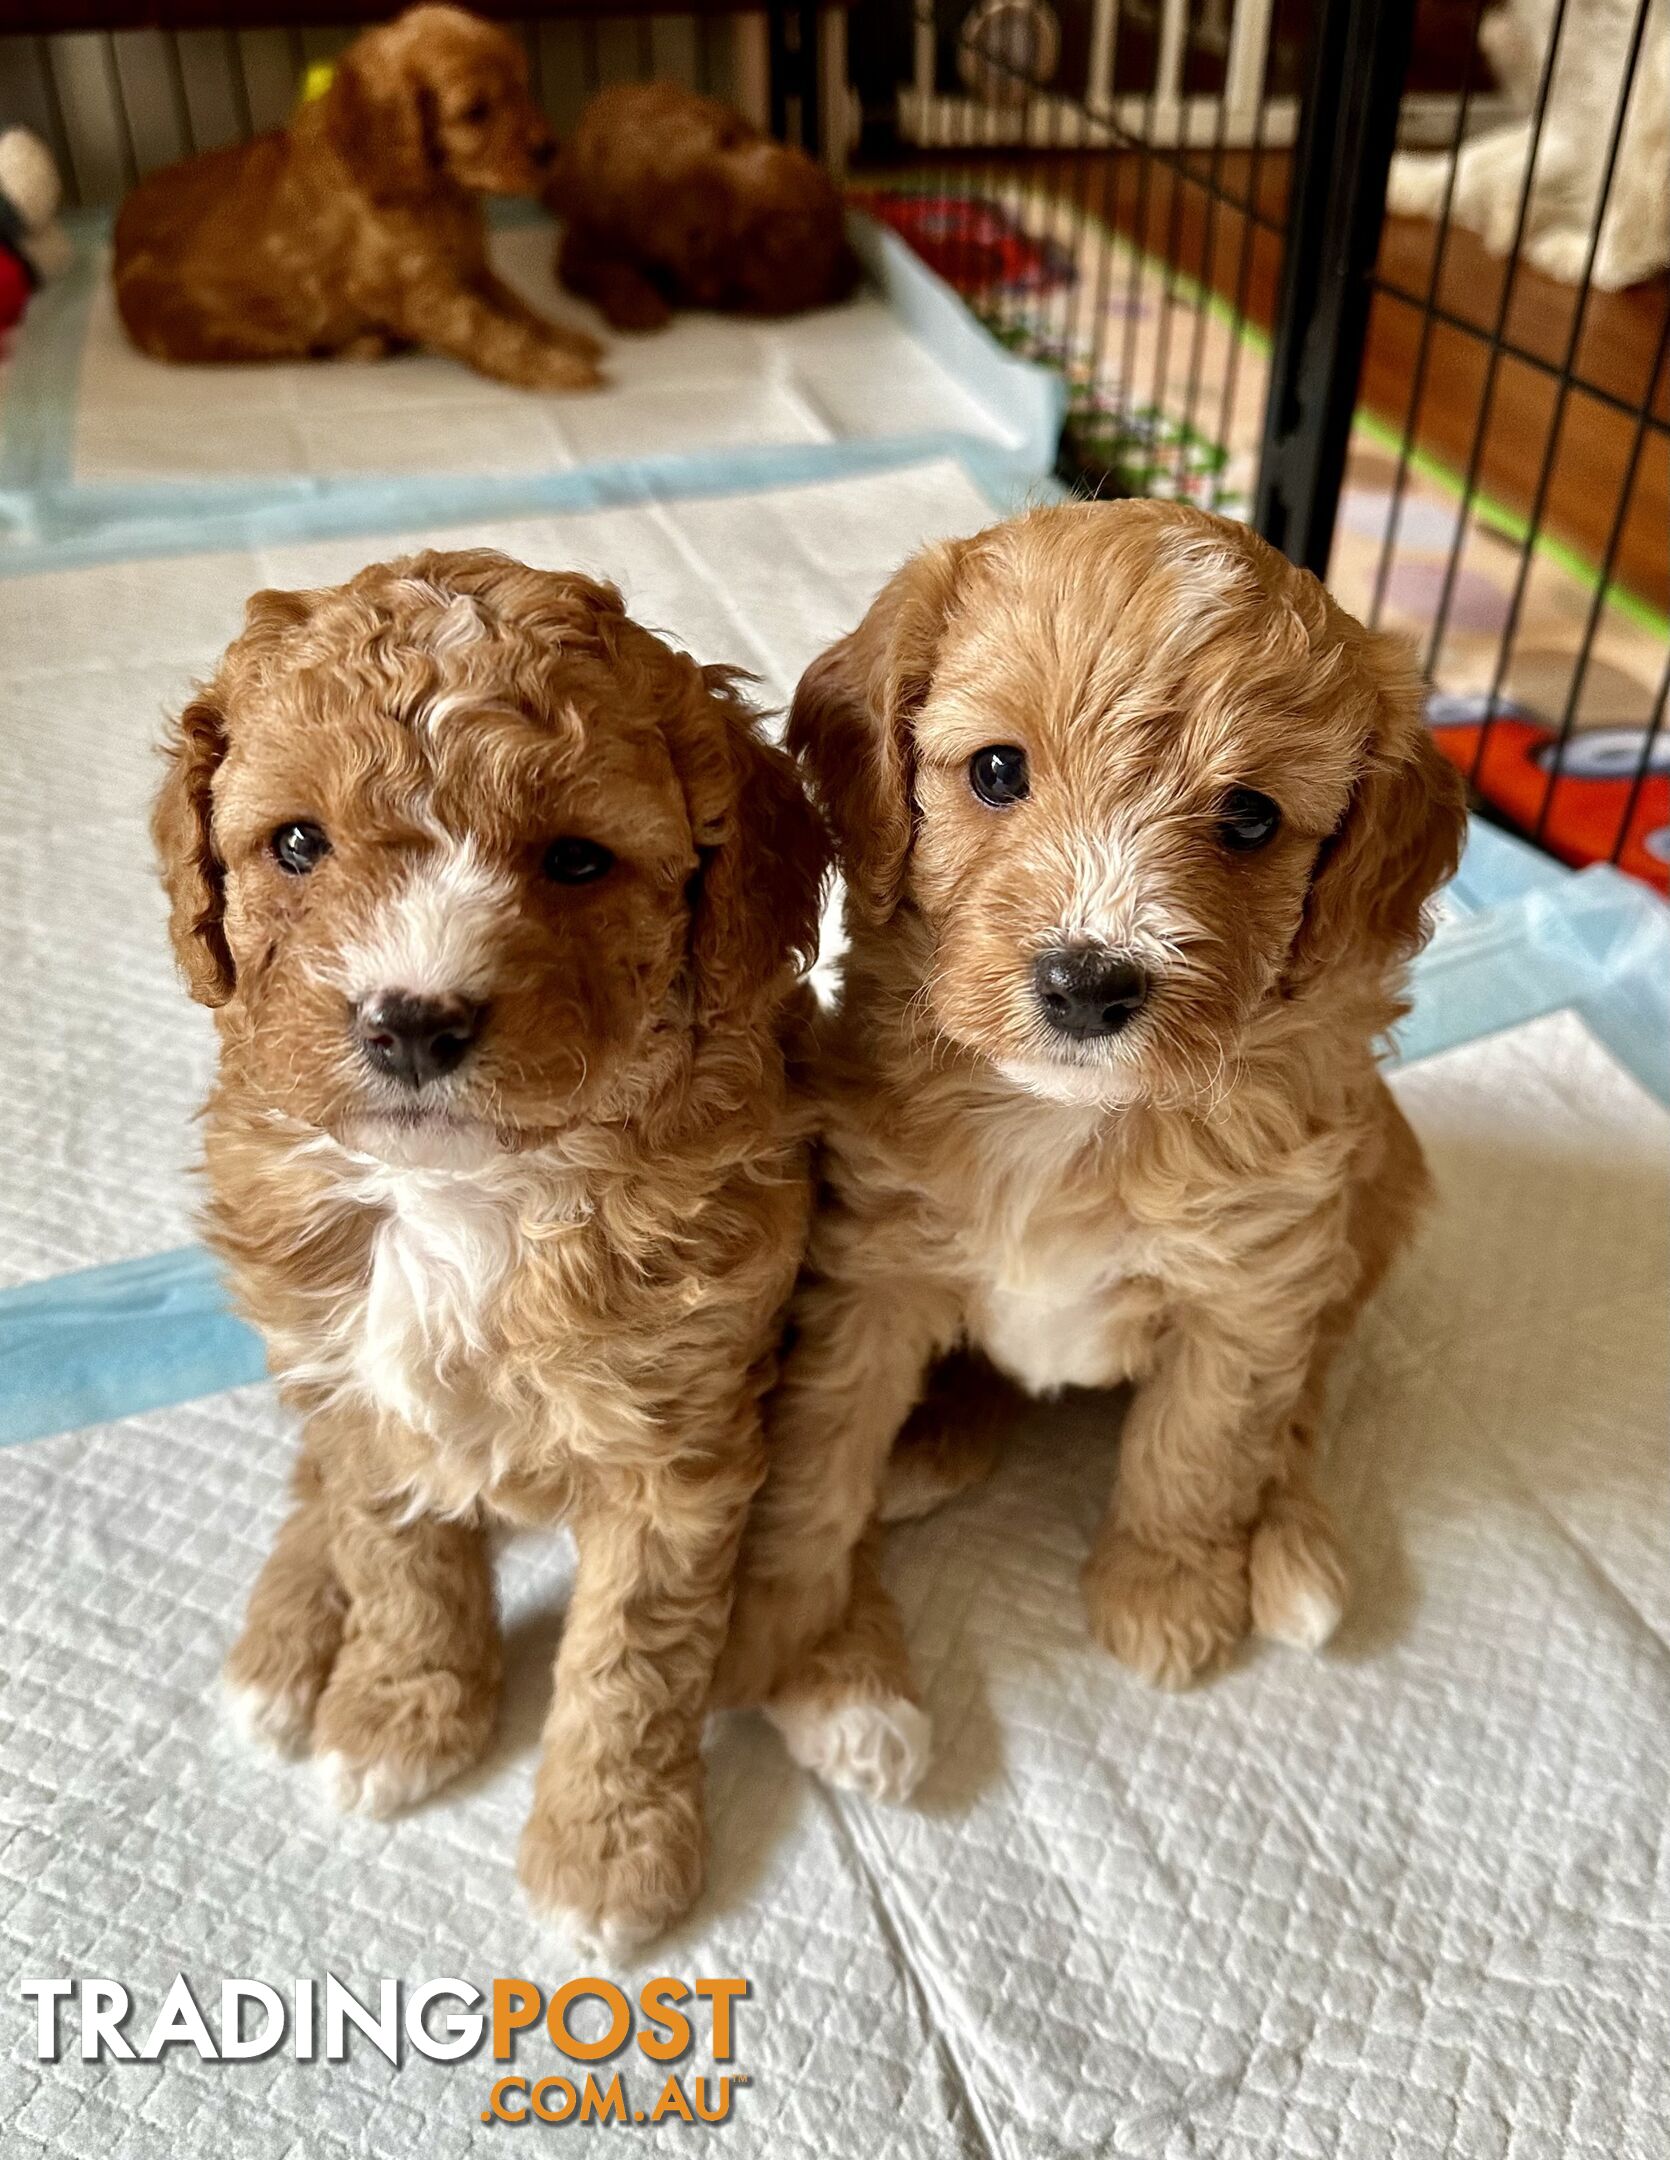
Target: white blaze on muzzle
column 435, row 935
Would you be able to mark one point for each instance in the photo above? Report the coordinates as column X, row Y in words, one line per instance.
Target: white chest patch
column 424, row 1340
column 1062, row 1290
column 420, row 1341
column 440, row 1262
column 1059, row 1313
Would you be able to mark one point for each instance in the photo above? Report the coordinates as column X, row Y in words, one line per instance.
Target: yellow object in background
column 316, row 81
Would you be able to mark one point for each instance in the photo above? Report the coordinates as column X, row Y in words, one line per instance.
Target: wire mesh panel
column 1179, row 204
column 1106, row 185
column 1509, row 502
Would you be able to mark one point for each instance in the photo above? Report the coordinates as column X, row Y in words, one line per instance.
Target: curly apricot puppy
column 1138, row 828
column 500, row 903
column 357, row 228
column 674, row 200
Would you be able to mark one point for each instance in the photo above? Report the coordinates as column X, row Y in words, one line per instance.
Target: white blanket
column 102, row 1058
column 1405, row 1901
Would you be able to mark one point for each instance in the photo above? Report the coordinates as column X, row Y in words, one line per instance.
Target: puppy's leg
column 414, row 1694
column 849, row 1710
column 1167, row 1583
column 1489, row 173
column 950, row 1440
column 616, row 1845
column 1297, row 1579
column 1634, row 241
column 491, row 329
column 1297, row 1583
column 279, row 1665
column 626, row 298
column 1417, row 183
column 849, row 1383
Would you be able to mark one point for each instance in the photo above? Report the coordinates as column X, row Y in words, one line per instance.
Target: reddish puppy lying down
column 674, row 200
column 499, row 902
column 357, row 229
column 1138, row 827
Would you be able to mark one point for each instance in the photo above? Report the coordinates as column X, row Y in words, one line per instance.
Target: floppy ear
column 1400, row 838
column 762, row 848
column 850, row 726
column 379, row 119
column 192, row 875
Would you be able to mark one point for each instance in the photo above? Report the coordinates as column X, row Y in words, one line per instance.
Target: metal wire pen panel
column 1461, row 417
column 1514, row 497
column 1108, row 189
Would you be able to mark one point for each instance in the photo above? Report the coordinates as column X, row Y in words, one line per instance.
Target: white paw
column 1304, row 1617
column 877, row 1748
column 1416, row 185
column 377, row 1789
column 280, row 1721
column 1560, row 253
column 599, row 1935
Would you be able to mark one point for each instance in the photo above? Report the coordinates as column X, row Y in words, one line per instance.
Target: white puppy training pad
column 1403, row 1901
column 104, row 1059
column 106, row 444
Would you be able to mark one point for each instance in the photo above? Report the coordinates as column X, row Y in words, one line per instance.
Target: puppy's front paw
column 1170, row 1614
column 280, row 1718
column 1562, row 252
column 773, row 1621
column 272, row 1682
column 571, row 364
column 384, row 1741
column 1298, row 1584
column 1417, row 184
column 879, row 1746
column 613, row 1873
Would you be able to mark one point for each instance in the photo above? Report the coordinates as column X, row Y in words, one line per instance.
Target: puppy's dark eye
column 1247, row 820
column 299, row 846
column 476, row 112
column 998, row 775
column 576, row 862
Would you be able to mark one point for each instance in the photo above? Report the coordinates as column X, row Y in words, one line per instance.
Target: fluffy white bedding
column 102, row 1058
column 1407, row 1900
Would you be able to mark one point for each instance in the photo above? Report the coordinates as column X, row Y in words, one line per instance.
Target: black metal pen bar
column 1510, row 349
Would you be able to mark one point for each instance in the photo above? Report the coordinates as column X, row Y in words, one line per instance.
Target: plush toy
column 33, row 245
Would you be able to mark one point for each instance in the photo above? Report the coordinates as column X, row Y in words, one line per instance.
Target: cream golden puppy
column 1138, row 828
column 500, row 904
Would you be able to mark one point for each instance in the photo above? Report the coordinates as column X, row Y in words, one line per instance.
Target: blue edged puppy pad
column 104, row 451
column 1577, row 974
column 1386, row 1900
column 1595, row 943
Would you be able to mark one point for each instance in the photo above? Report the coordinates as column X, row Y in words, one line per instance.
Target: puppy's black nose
column 414, row 1039
column 1085, row 992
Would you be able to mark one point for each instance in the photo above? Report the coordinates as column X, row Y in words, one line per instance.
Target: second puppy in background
column 1138, row 828
column 674, row 200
